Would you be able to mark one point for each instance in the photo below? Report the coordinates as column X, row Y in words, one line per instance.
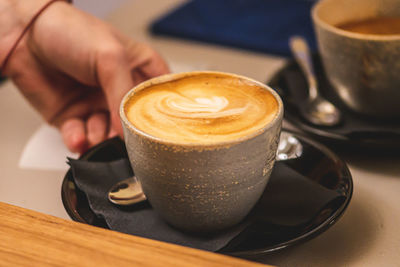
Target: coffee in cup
column 377, row 25
column 202, row 144
column 359, row 43
column 202, row 109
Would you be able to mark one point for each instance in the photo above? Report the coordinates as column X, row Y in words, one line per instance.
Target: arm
column 74, row 68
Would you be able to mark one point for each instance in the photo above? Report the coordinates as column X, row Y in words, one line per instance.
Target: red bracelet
column 26, row 29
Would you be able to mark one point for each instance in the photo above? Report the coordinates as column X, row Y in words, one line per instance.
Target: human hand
column 75, row 69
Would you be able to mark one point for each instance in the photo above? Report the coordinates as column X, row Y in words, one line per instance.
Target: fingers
column 156, row 66
column 115, row 78
column 97, row 128
column 79, row 135
column 74, row 135
column 146, row 60
column 112, row 133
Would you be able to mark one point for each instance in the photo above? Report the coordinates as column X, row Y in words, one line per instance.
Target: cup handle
column 289, row 147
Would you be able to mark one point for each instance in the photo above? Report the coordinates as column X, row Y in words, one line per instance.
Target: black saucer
column 318, row 164
column 355, row 131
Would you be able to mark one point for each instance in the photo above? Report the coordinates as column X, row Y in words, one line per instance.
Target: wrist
column 14, row 15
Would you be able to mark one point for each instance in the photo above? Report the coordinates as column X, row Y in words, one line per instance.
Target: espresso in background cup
column 361, row 60
column 202, row 144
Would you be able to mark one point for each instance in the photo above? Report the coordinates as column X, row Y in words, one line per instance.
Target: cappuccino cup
column 202, row 144
column 360, row 50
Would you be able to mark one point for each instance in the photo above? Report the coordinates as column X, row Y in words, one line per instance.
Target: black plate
column 317, row 163
column 355, row 131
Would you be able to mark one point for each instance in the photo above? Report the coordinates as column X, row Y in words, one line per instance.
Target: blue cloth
column 258, row 25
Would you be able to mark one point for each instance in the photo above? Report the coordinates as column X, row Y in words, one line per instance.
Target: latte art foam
column 203, row 108
column 200, row 104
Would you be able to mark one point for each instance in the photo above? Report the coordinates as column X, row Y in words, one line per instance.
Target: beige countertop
column 368, row 233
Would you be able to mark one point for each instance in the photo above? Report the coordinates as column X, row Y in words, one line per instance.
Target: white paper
column 45, row 150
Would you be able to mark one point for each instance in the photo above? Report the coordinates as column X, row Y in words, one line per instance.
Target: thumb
column 115, row 79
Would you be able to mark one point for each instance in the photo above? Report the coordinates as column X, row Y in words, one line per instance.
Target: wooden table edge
column 31, row 237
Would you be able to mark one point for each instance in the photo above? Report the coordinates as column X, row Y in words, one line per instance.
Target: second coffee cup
column 202, row 144
column 362, row 64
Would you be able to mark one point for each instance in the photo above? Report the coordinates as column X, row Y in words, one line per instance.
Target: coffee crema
column 378, row 25
column 202, row 108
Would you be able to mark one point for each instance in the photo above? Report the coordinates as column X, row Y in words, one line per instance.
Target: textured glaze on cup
column 202, row 187
column 363, row 68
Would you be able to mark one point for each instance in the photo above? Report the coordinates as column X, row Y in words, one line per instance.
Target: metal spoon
column 129, row 191
column 317, row 110
column 126, row 192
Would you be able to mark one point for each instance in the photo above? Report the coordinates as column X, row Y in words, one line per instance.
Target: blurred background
column 99, row 8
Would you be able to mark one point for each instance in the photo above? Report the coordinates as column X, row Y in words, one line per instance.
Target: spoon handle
column 301, row 52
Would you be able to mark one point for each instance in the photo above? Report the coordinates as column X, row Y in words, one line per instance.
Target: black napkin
column 289, row 199
column 96, row 178
column 292, row 86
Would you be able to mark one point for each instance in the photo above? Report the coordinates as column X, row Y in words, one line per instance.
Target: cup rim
column 361, row 36
column 174, row 76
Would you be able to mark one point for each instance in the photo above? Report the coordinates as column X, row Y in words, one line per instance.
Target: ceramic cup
column 199, row 187
column 363, row 68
